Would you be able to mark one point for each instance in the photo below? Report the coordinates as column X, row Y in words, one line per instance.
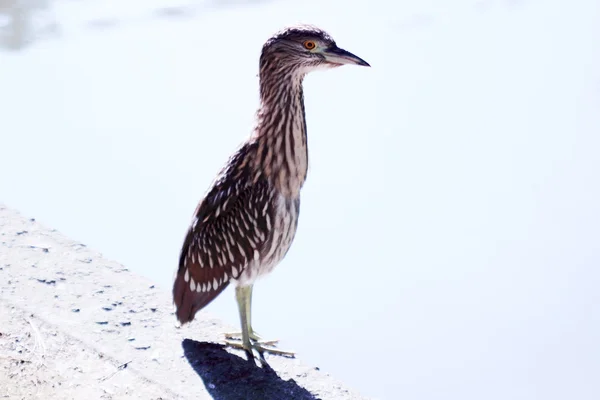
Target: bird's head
column 301, row 49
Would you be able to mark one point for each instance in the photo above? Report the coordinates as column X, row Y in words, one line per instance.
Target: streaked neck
column 282, row 152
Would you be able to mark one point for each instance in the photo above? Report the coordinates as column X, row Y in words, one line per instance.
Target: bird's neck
column 282, row 152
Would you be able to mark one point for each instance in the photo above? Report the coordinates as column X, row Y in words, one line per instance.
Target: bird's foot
column 253, row 336
column 263, row 346
column 256, row 343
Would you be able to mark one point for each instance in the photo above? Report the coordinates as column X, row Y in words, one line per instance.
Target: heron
column 246, row 222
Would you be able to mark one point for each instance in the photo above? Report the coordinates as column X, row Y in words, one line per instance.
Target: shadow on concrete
column 229, row 377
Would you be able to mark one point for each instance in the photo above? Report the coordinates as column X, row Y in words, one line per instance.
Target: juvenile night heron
column 246, row 222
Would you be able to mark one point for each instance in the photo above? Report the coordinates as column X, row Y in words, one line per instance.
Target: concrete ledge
column 74, row 325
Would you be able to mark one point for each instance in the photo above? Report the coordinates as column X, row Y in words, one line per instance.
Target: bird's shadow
column 229, row 377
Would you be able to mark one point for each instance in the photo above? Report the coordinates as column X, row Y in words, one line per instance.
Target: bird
column 246, row 222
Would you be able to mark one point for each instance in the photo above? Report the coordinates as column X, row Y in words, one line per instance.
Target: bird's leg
column 250, row 340
column 246, row 306
column 244, row 298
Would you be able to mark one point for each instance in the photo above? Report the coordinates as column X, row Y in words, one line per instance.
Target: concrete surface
column 74, row 325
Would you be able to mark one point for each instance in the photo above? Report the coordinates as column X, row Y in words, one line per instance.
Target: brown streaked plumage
column 246, row 222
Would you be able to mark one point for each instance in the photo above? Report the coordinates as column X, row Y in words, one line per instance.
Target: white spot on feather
column 186, row 277
column 245, row 223
column 230, row 236
column 243, row 254
column 192, row 285
column 264, row 210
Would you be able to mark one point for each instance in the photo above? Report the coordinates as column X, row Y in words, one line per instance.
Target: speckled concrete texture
column 74, row 325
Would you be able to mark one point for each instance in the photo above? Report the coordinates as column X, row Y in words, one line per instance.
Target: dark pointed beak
column 335, row 55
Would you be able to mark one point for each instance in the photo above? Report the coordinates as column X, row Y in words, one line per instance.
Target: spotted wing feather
column 229, row 227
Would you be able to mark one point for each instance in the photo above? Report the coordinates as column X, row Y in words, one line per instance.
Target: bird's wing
column 229, row 227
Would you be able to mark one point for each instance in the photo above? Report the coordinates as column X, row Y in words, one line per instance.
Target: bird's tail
column 188, row 302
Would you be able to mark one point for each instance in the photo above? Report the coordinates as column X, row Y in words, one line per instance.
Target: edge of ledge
column 76, row 325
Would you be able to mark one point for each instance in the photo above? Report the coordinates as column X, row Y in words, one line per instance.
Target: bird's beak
column 335, row 55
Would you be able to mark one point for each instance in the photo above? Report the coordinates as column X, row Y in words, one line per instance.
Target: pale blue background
column 449, row 239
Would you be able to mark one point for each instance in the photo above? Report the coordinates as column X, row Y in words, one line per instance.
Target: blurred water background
column 449, row 239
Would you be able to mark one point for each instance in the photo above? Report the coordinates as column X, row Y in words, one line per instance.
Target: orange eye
column 310, row 45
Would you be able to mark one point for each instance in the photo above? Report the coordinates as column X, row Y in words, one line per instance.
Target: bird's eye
column 310, row 45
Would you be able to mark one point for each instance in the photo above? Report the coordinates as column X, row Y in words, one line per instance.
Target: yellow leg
column 250, row 340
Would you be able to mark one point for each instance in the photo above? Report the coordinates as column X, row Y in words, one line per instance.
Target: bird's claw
column 256, row 343
column 261, row 347
column 253, row 336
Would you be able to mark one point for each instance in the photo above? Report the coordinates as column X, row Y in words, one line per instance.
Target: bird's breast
column 279, row 239
column 281, row 146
